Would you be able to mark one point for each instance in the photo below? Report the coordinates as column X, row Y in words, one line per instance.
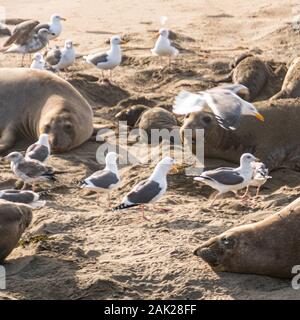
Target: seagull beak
column 174, row 169
column 124, row 41
column 64, row 19
column 259, row 116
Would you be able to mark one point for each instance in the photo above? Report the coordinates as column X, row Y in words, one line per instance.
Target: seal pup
column 30, row 171
column 107, row 60
column 275, row 143
column 48, row 104
column 291, row 84
column 270, row 247
column 226, row 179
column 40, row 150
column 250, row 71
column 104, row 180
column 23, row 196
column 131, row 114
column 163, row 46
column 149, row 190
column 14, row 219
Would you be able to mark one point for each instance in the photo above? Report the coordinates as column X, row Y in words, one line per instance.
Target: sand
column 75, row 248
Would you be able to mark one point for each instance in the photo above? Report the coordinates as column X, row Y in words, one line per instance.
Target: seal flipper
column 8, row 138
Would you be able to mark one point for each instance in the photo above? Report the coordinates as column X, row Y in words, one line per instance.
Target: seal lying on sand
column 250, row 71
column 14, row 219
column 291, row 84
column 270, row 247
column 33, row 102
column 276, row 141
column 132, row 114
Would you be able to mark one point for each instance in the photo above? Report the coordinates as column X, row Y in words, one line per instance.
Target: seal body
column 252, row 72
column 270, row 247
column 14, row 219
column 275, row 142
column 33, row 102
column 291, row 84
column 132, row 114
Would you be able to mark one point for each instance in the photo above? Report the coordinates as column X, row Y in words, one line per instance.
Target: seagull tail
column 38, row 204
column 50, row 176
column 187, row 102
column 124, row 206
column 202, row 178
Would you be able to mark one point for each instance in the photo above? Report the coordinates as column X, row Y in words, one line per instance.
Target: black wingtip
column 124, row 206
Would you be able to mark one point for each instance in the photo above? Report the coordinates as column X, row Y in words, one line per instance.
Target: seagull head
column 45, row 33
column 164, row 33
column 14, row 157
column 38, row 57
column 249, row 109
column 247, row 159
column 44, row 139
column 116, row 40
column 111, row 161
column 69, row 44
column 166, row 164
column 57, row 18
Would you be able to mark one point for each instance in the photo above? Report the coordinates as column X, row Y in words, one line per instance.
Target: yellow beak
column 64, row 19
column 174, row 169
column 260, row 117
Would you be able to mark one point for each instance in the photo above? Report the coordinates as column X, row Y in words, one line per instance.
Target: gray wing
column 22, row 33
column 37, row 152
column 53, row 56
column 18, row 196
column 103, row 179
column 226, row 106
column 226, row 177
column 144, row 192
column 32, row 169
column 99, row 58
column 40, row 26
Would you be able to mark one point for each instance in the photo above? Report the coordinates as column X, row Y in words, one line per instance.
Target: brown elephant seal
column 276, row 141
column 33, row 102
column 250, row 71
column 14, row 219
column 270, row 247
column 131, row 114
column 291, row 84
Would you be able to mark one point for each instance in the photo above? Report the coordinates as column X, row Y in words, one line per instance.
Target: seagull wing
column 226, row 106
column 144, row 192
column 32, row 169
column 187, row 102
column 53, row 56
column 226, row 177
column 22, row 33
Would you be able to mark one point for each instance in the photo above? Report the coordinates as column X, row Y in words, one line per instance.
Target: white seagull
column 23, row 196
column 163, row 46
column 40, row 150
column 38, row 62
column 54, row 26
column 150, row 190
column 104, row 180
column 228, row 179
column 61, row 59
column 107, row 60
column 30, row 171
column 226, row 105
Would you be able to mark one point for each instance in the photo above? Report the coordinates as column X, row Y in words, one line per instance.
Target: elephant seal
column 270, row 247
column 131, row 114
column 14, row 219
column 250, row 71
column 33, row 102
column 275, row 142
column 291, row 84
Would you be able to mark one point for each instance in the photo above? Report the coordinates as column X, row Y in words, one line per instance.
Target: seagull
column 107, row 60
column 104, row 180
column 25, row 39
column 61, row 58
column 149, row 190
column 30, row 171
column 230, row 179
column 259, row 178
column 38, row 62
column 54, row 26
column 163, row 46
column 40, row 150
column 224, row 102
column 23, row 196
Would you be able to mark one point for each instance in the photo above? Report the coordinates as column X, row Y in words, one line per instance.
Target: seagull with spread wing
column 223, row 102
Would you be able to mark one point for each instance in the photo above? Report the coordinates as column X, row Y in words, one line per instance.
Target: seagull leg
column 257, row 191
column 245, row 194
column 214, row 199
column 109, row 200
column 143, row 213
column 162, row 210
column 22, row 63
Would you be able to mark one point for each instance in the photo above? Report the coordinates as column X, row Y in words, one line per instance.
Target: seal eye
column 228, row 242
column 206, row 119
column 47, row 128
column 67, row 127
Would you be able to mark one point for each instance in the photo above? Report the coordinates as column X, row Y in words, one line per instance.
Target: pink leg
column 214, row 199
column 143, row 213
